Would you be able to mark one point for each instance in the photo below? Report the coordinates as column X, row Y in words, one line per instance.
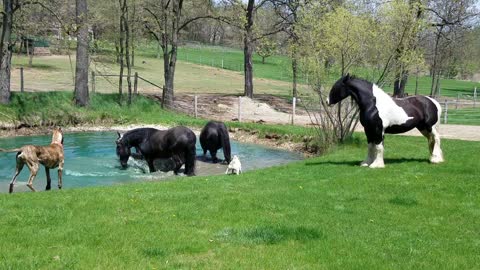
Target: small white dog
column 235, row 167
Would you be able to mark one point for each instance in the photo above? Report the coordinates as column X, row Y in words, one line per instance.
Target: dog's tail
column 10, row 150
column 227, row 152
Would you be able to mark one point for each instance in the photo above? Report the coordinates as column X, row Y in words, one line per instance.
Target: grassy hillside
column 278, row 67
column 322, row 213
column 198, row 71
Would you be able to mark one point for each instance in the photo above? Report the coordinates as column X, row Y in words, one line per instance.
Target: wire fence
column 463, row 109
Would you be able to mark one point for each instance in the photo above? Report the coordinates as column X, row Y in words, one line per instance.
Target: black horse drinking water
column 177, row 143
column 380, row 114
column 213, row 137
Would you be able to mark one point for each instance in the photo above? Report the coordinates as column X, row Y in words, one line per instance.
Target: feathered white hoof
column 436, row 159
column 377, row 164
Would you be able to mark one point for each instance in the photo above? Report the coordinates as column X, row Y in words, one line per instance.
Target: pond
column 90, row 160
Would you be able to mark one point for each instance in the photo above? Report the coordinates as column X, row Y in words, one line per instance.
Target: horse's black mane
column 137, row 134
column 359, row 82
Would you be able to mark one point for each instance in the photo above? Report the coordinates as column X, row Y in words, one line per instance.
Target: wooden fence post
column 239, row 109
column 475, row 97
column 135, row 84
column 21, row 80
column 93, row 81
column 294, row 103
column 445, row 115
column 195, row 106
column 458, row 99
column 163, row 96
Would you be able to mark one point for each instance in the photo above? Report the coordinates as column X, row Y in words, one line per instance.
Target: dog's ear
column 119, row 135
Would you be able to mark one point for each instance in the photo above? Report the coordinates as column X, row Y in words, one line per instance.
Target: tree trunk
column 132, row 31
column 81, row 72
column 170, row 57
column 127, row 49
column 120, row 53
column 30, row 50
column 399, row 84
column 248, row 67
column 6, row 51
column 435, row 60
column 294, row 76
column 248, row 49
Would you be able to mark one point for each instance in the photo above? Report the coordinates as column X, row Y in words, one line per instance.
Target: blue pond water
column 90, row 160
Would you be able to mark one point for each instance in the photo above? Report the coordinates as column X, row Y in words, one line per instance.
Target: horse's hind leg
column 190, row 161
column 33, row 172
column 436, row 155
column 178, row 164
column 213, row 153
column 18, row 169
column 49, row 180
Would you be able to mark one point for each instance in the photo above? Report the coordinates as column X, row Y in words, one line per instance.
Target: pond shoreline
column 235, row 134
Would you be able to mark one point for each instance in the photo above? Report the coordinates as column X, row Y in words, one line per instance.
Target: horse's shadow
column 356, row 163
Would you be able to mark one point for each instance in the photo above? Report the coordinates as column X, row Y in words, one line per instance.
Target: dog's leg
column 49, row 180
column 60, row 171
column 18, row 169
column 33, row 172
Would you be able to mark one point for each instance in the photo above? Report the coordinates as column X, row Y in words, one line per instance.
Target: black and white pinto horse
column 380, row 114
column 177, row 143
column 213, row 137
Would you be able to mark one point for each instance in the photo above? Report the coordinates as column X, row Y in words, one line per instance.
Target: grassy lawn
column 321, row 213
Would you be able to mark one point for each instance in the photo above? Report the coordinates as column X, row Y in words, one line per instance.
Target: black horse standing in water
column 380, row 114
column 213, row 137
column 177, row 143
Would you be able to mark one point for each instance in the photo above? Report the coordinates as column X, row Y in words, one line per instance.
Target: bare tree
column 167, row 21
column 243, row 18
column 448, row 17
column 289, row 11
column 6, row 49
column 124, row 45
column 81, row 71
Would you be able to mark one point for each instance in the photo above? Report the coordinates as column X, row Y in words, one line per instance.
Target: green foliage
column 325, row 213
column 266, row 48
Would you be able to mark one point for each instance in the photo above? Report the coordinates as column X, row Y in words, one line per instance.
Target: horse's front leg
column 150, row 165
column 60, row 174
column 370, row 156
column 378, row 156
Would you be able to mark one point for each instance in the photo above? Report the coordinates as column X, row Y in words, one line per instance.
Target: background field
column 199, row 73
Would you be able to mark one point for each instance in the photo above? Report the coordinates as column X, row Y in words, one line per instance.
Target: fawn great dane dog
column 50, row 157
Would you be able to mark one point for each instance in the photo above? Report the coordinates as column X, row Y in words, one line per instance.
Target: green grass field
column 469, row 116
column 321, row 213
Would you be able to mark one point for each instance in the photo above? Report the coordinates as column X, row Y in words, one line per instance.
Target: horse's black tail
column 225, row 139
